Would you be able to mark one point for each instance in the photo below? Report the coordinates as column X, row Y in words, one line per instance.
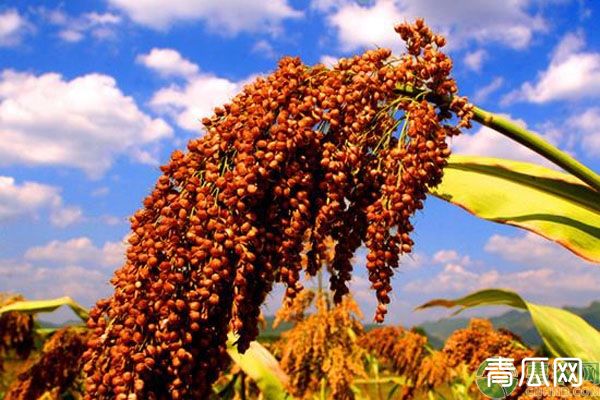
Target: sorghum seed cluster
column 304, row 154
column 54, row 369
column 405, row 353
column 16, row 330
column 294, row 311
column 322, row 348
column 403, row 350
column 473, row 345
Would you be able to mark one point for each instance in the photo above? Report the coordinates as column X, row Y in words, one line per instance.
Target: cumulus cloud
column 474, row 60
column 367, row 24
column 546, row 272
column 586, row 126
column 75, row 28
column 376, row 25
column 264, row 48
column 572, row 74
column 189, row 103
column 88, row 123
column 65, row 216
column 85, row 285
column 489, row 143
column 532, row 250
column 450, row 256
column 483, row 93
column 76, row 267
column 78, row 251
column 193, row 100
column 99, row 26
column 328, row 61
column 29, row 199
column 168, row 63
column 227, row 17
column 13, row 26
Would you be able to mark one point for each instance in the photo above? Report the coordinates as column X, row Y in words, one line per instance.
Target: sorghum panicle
column 299, row 156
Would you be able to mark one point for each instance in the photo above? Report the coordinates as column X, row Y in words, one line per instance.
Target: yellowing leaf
column 552, row 204
column 260, row 365
column 38, row 306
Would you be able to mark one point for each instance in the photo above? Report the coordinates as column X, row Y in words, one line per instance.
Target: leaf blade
column 564, row 333
column 50, row 305
column 549, row 203
column 260, row 365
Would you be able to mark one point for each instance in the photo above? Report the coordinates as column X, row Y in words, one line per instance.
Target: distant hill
column 518, row 322
column 53, row 325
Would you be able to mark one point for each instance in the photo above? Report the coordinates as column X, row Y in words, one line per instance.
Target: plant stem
column 521, row 135
column 537, row 144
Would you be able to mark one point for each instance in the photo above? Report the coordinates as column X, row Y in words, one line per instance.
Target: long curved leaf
column 260, row 365
column 39, row 306
column 564, row 333
column 552, row 204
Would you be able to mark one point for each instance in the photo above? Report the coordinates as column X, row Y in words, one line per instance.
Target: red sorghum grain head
column 299, row 156
column 473, row 345
column 16, row 330
column 402, row 350
column 54, row 369
column 321, row 347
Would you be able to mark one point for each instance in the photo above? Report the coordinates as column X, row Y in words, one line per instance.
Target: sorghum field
column 293, row 175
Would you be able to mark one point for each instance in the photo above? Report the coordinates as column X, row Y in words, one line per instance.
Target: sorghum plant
column 16, row 330
column 322, row 350
column 54, row 369
column 301, row 155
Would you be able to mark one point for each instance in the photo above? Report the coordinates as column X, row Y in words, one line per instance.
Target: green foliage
column 552, row 204
column 564, row 333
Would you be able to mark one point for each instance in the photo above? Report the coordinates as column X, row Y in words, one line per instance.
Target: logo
column 497, row 377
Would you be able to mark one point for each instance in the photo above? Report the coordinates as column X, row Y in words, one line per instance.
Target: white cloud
column 85, row 285
column 189, row 103
column 78, row 251
column 482, row 93
column 572, row 74
column 112, row 220
column 66, row 216
column 532, row 250
column 474, row 60
column 450, row 256
column 101, row 191
column 28, row 199
column 168, row 62
column 550, row 270
column 547, row 273
column 587, row 127
column 264, row 48
column 88, row 123
column 328, row 61
column 489, row 143
column 376, row 25
column 365, row 25
column 221, row 16
column 71, row 35
column 73, row 29
column 193, row 100
column 13, row 27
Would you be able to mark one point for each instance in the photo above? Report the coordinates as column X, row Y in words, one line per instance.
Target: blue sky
column 95, row 95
